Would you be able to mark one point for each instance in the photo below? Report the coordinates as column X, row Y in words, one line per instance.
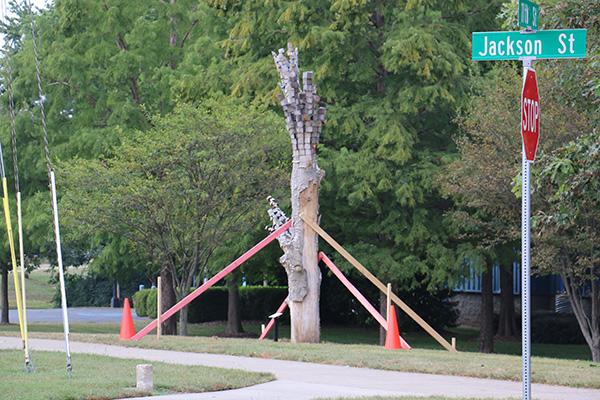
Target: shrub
column 210, row 306
column 150, row 303
column 139, row 302
column 338, row 306
column 90, row 290
column 84, row 290
column 256, row 303
column 554, row 328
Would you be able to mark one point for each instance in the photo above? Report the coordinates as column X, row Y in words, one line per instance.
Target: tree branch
column 188, row 32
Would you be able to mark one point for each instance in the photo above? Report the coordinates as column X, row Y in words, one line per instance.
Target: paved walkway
column 76, row 315
column 304, row 381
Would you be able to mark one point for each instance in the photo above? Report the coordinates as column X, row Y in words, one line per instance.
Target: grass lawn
column 467, row 339
column 100, row 377
column 39, row 291
column 575, row 373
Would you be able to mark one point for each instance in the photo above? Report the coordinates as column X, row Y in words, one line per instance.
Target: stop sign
column 530, row 114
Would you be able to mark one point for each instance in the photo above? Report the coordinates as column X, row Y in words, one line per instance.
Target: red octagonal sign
column 530, row 114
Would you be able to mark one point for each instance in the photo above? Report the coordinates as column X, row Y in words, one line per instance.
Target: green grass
column 101, row 377
column 39, row 291
column 575, row 373
column 467, row 339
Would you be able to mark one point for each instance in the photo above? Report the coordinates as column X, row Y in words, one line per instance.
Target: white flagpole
column 42, row 99
column 61, row 272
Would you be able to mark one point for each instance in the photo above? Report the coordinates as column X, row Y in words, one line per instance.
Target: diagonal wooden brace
column 280, row 310
column 380, row 285
column 223, row 273
column 336, row 271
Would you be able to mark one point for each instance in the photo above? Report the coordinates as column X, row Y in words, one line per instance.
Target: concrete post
column 144, row 377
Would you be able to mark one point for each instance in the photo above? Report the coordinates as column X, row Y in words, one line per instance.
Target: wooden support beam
column 266, row 329
column 212, row 281
column 380, row 285
column 359, row 296
column 158, row 308
column 388, row 296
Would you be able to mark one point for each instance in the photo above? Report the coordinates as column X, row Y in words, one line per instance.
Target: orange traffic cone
column 393, row 340
column 127, row 327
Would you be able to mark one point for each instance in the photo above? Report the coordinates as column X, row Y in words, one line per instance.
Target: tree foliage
column 392, row 74
column 484, row 180
column 568, row 229
column 181, row 189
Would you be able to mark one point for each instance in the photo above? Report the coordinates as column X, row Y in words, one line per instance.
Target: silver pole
column 525, row 263
column 61, row 272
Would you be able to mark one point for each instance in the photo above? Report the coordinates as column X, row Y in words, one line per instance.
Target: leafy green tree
column 181, row 189
column 392, row 75
column 481, row 180
column 568, row 229
column 105, row 67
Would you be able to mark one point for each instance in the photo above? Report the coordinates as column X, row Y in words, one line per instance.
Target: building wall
column 469, row 306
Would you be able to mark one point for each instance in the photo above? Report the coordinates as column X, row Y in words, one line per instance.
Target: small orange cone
column 127, row 327
column 393, row 340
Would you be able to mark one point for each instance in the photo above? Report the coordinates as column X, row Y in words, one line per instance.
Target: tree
column 392, row 75
column 304, row 119
column 181, row 189
column 105, row 66
column 568, row 229
column 4, row 317
column 481, row 180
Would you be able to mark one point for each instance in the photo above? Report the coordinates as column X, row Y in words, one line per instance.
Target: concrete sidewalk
column 304, row 381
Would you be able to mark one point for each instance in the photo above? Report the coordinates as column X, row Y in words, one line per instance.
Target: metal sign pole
column 525, row 263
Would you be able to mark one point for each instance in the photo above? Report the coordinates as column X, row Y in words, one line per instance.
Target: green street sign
column 555, row 43
column 529, row 14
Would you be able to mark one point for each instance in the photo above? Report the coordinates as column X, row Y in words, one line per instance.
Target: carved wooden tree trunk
column 304, row 119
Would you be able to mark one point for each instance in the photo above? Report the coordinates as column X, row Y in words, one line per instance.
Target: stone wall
column 469, row 306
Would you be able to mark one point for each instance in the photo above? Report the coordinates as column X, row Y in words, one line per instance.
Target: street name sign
column 554, row 43
column 530, row 114
column 527, row 46
column 529, row 14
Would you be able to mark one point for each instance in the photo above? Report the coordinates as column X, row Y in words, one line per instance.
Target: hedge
column 256, row 303
column 89, row 290
column 554, row 328
column 139, row 302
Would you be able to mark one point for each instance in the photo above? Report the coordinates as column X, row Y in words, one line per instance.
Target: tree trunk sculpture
column 304, row 120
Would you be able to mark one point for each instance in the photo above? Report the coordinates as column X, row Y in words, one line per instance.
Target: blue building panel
column 540, row 285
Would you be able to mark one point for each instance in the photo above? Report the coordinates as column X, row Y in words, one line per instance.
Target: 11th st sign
column 529, row 14
column 555, row 43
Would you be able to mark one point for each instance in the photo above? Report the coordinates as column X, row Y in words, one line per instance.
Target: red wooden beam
column 280, row 310
column 224, row 272
column 336, row 271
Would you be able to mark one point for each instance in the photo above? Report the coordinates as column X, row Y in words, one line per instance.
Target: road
column 76, row 315
column 305, row 381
